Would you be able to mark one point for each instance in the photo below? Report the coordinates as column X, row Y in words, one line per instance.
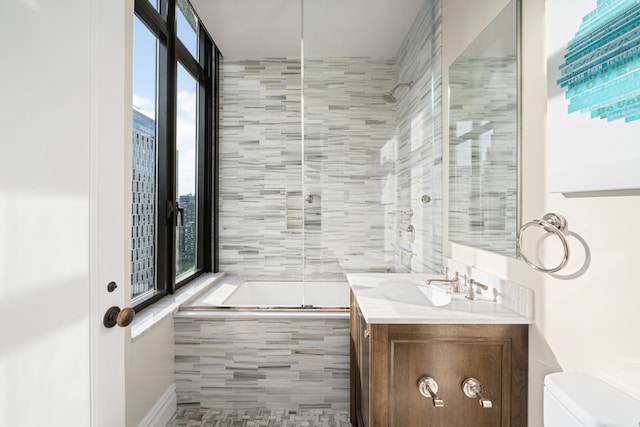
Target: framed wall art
column 593, row 109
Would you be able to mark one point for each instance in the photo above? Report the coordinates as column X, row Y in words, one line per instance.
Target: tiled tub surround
column 260, row 359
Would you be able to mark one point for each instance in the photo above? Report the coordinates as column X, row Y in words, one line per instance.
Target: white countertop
column 409, row 306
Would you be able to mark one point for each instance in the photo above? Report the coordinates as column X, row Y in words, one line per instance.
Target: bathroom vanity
column 410, row 358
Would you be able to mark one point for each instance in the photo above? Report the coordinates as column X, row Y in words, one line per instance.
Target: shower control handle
column 428, row 387
column 473, row 389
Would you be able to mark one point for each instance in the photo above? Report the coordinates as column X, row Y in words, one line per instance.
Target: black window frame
column 162, row 23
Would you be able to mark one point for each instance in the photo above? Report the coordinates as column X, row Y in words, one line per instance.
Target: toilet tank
column 573, row 399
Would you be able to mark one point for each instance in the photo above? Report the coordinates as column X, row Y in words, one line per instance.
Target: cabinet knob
column 473, row 389
column 366, row 333
column 429, row 388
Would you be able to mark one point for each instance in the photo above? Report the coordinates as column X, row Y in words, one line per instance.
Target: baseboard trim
column 163, row 410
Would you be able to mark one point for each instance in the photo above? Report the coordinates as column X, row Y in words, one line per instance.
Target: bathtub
column 237, row 346
column 240, row 293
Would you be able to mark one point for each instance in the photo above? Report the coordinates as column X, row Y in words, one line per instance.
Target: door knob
column 114, row 316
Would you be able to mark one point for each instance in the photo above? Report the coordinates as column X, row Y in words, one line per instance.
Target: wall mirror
column 484, row 138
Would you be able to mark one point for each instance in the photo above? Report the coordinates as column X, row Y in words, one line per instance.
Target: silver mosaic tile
column 195, row 416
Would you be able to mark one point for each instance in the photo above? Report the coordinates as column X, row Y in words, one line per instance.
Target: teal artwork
column 601, row 72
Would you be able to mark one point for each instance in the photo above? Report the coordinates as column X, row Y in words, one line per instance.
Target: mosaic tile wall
column 262, row 198
column 248, row 362
column 484, row 180
column 366, row 164
column 346, row 124
column 260, row 167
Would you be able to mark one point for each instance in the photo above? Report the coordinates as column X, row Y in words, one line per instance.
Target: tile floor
column 194, row 416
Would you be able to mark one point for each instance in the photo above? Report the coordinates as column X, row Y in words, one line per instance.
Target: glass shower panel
column 371, row 152
column 346, row 129
column 330, row 152
column 260, row 170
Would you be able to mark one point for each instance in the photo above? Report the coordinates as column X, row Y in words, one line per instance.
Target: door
column 62, row 211
column 110, row 194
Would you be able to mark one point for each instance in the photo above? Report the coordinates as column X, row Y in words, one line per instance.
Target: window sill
column 168, row 305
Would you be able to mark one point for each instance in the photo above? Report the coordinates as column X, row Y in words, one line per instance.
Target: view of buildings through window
column 144, row 211
column 143, row 207
column 144, row 163
column 186, row 141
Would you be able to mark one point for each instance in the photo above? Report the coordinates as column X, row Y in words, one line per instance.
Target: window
column 174, row 140
column 186, row 149
column 143, row 184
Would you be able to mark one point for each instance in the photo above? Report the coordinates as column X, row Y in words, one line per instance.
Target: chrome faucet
column 454, row 283
column 471, row 295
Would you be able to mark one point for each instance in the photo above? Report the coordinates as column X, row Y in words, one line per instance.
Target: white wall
column 149, row 370
column 584, row 316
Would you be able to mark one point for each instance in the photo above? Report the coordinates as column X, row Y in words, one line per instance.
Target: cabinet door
column 360, row 351
column 449, row 364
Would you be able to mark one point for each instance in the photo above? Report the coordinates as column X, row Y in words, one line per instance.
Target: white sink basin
column 414, row 292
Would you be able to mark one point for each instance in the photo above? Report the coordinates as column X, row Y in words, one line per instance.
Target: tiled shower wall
column 419, row 138
column 262, row 196
column 366, row 164
column 346, row 123
column 260, row 167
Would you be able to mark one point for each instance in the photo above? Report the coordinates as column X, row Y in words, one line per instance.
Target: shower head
column 388, row 97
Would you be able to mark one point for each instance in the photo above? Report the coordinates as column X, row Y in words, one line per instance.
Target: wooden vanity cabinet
column 387, row 361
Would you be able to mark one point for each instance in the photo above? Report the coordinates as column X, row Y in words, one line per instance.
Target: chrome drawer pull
column 473, row 389
column 429, row 388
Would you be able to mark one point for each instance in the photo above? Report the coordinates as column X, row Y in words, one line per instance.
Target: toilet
column 573, row 399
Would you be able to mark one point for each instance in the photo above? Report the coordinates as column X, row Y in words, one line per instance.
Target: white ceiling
column 272, row 28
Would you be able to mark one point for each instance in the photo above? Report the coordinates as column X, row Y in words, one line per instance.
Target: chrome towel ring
column 551, row 223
